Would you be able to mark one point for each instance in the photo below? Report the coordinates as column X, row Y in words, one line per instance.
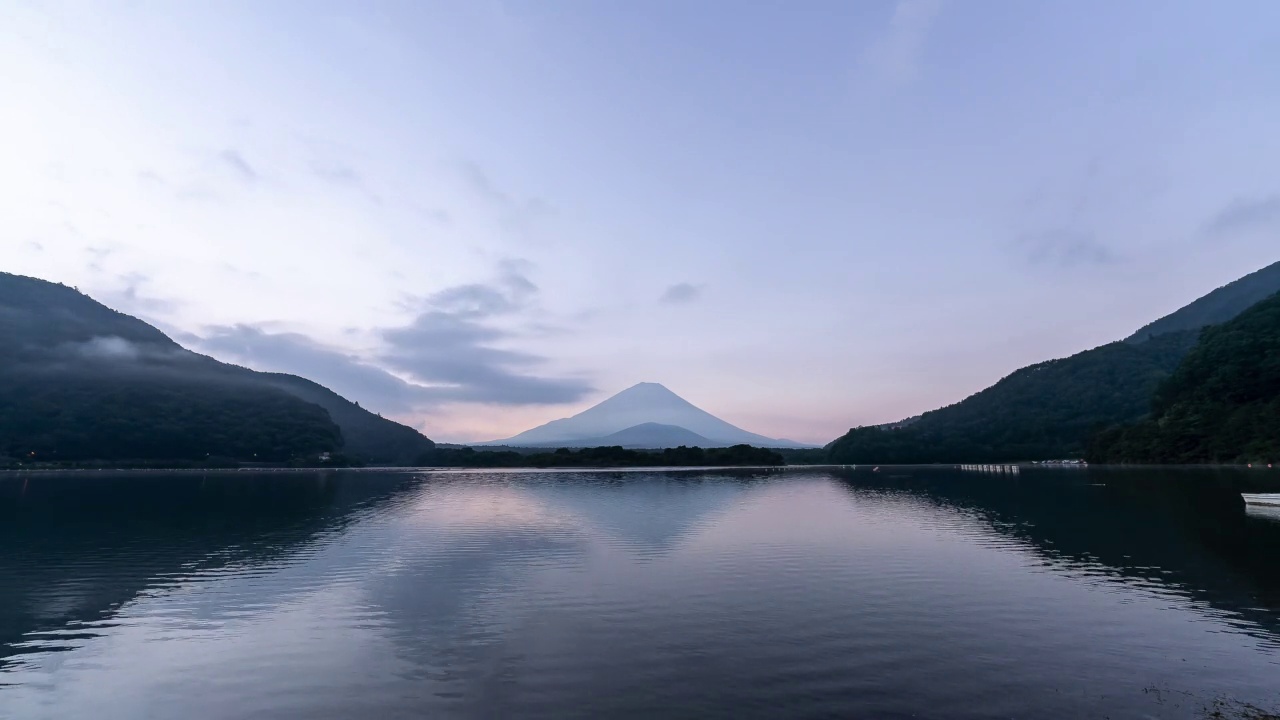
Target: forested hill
column 80, row 381
column 1222, row 403
column 1054, row 409
column 1218, row 306
column 37, row 316
column 1049, row 410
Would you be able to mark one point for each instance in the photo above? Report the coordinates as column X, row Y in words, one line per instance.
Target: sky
column 479, row 216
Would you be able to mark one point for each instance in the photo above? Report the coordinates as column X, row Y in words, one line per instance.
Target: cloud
column 338, row 174
column 239, row 165
column 439, row 216
column 151, row 177
column 298, row 354
column 128, row 297
column 113, row 348
column 1245, row 214
column 455, row 354
column 1065, row 248
column 896, row 55
column 107, row 348
column 446, row 354
column 99, row 255
column 450, row 346
column 34, row 246
column 515, row 214
column 236, row 271
column 681, row 293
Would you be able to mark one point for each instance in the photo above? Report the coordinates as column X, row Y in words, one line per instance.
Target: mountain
column 638, row 405
column 1222, row 404
column 1053, row 409
column 1218, row 306
column 647, row 436
column 1048, row 410
column 367, row 436
column 80, row 381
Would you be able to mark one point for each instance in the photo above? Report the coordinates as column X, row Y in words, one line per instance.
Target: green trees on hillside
column 1222, row 404
column 111, row 417
column 1048, row 410
column 1218, row 306
column 80, row 381
column 738, row 456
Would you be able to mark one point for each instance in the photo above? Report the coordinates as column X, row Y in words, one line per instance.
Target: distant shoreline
column 11, row 472
column 400, row 469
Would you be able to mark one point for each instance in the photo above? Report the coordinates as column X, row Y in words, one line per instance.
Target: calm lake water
column 904, row 593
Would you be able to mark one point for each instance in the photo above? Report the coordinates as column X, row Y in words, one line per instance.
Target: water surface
column 904, row 593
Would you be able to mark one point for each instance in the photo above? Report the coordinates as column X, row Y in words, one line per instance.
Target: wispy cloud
column 151, row 177
column 338, row 174
column 437, row 215
column 452, row 347
column 1065, row 248
column 238, row 165
column 449, row 353
column 99, row 256
column 896, row 55
column 128, row 296
column 681, row 293
column 515, row 214
column 344, row 373
column 1245, row 214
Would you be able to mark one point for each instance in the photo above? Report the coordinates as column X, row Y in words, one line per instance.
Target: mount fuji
column 646, row 415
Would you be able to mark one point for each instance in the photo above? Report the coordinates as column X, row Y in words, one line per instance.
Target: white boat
column 1271, row 499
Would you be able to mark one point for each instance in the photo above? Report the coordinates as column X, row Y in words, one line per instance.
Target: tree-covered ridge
column 1218, row 306
column 1222, row 404
column 119, row 415
column 614, row 456
column 1048, row 410
column 367, row 437
column 38, row 316
column 84, row 382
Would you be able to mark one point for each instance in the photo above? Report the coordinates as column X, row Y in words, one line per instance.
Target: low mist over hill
column 80, row 381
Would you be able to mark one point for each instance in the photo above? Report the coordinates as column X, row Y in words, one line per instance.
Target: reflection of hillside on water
column 78, row 547
column 1180, row 530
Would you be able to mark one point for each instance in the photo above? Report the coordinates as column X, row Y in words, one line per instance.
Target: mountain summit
column 644, row 404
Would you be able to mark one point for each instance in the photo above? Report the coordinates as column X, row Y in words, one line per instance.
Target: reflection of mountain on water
column 479, row 574
column 648, row 512
column 453, row 569
column 78, row 547
column 1185, row 530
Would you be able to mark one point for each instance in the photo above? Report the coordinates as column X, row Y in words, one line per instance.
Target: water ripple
column 806, row 594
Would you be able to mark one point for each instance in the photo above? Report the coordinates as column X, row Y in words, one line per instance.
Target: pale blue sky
column 801, row 216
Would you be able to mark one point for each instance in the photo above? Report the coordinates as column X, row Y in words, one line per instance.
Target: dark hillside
column 82, row 381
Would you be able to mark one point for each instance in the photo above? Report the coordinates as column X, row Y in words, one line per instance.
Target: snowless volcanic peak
column 641, row 404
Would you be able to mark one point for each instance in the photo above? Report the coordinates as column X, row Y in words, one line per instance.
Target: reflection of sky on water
column 482, row 594
column 1263, row 512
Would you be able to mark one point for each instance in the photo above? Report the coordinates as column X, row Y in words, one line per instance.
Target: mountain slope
column 647, row 436
column 82, row 381
column 113, row 414
column 1222, row 404
column 1049, row 410
column 637, row 405
column 37, row 315
column 366, row 435
column 1218, row 306
column 1053, row 409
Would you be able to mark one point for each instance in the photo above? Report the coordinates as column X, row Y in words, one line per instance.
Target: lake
column 634, row 594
